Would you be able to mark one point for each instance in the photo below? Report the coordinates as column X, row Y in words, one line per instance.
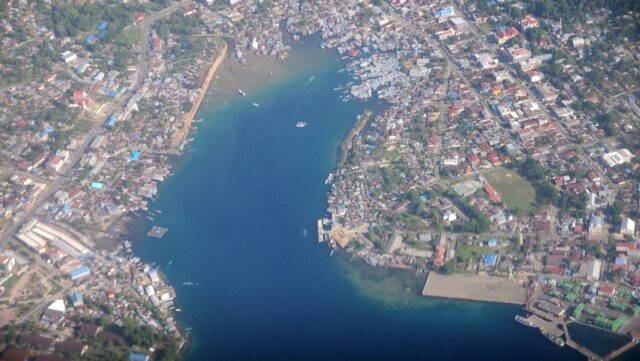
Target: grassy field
column 516, row 192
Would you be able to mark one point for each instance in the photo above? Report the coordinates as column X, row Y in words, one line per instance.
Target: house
column 617, row 157
column 15, row 354
column 627, row 226
column 594, row 268
column 490, row 260
column 138, row 357
column 90, row 330
column 495, row 197
column 502, row 36
column 7, row 262
column 138, row 17
column 73, row 347
column 529, row 23
column 55, row 313
column 76, row 299
column 79, row 272
column 69, row 57
column 36, row 341
column 449, row 216
column 445, row 12
column 606, row 290
column 517, row 54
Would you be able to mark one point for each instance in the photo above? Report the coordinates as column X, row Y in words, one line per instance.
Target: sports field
column 516, row 192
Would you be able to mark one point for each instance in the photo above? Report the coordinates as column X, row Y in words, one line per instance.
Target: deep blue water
column 236, row 208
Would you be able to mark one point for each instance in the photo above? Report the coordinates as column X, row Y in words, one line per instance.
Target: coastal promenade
column 188, row 118
column 475, row 288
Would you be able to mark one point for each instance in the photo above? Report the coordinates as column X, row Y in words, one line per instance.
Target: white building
column 594, row 269
column 627, row 226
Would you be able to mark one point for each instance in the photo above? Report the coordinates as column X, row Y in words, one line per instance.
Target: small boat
column 198, row 120
column 242, row 92
column 255, row 104
column 524, row 321
column 301, row 124
column 170, row 262
column 189, row 283
column 270, row 74
column 311, row 79
column 304, row 232
column 178, row 309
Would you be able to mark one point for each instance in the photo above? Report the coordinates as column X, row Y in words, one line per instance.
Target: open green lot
column 516, row 192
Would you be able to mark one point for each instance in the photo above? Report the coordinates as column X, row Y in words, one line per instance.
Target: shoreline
column 188, row 118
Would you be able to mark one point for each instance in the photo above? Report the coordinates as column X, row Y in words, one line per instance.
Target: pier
column 346, row 146
column 475, row 288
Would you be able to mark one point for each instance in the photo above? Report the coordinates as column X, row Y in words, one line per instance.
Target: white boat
column 255, row 104
column 301, row 124
column 242, row 92
column 555, row 339
column 524, row 321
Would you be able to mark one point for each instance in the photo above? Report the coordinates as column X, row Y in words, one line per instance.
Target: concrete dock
column 475, row 288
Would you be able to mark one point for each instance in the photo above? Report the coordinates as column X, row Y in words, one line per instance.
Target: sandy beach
column 188, row 118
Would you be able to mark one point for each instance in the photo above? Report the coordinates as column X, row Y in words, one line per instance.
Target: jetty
column 188, row 118
column 157, row 232
column 475, row 288
column 347, row 145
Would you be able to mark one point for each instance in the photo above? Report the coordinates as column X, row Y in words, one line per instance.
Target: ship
column 242, row 92
column 301, row 124
column 555, row 339
column 524, row 321
column 255, row 104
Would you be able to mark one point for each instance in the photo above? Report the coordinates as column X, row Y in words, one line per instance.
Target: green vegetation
column 516, row 192
column 477, row 223
column 578, row 310
column 533, row 171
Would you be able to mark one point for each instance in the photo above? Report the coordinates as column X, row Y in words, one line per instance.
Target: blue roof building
column 79, row 272
column 76, row 299
column 135, row 155
column 492, row 242
column 103, row 26
column 91, row 39
column 97, row 185
column 138, row 357
column 448, row 11
column 490, row 259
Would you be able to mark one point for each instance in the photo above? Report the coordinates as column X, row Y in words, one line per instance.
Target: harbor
column 475, row 288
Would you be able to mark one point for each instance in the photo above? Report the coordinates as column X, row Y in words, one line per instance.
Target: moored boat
column 524, row 321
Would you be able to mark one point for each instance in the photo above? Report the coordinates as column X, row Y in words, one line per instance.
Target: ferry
column 242, row 92
column 255, row 104
column 524, row 321
column 301, row 124
column 555, row 339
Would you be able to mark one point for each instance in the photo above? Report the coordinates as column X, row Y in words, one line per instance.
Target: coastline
column 188, row 118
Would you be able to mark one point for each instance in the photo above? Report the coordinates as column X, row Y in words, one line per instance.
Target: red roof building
column 495, row 197
column 139, row 17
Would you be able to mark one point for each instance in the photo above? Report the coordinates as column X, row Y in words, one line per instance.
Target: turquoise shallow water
column 236, row 208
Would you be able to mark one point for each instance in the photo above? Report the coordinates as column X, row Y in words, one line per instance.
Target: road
column 56, row 183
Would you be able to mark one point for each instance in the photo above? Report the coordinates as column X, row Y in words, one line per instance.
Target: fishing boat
column 524, row 321
column 242, row 92
column 301, row 124
column 255, row 104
